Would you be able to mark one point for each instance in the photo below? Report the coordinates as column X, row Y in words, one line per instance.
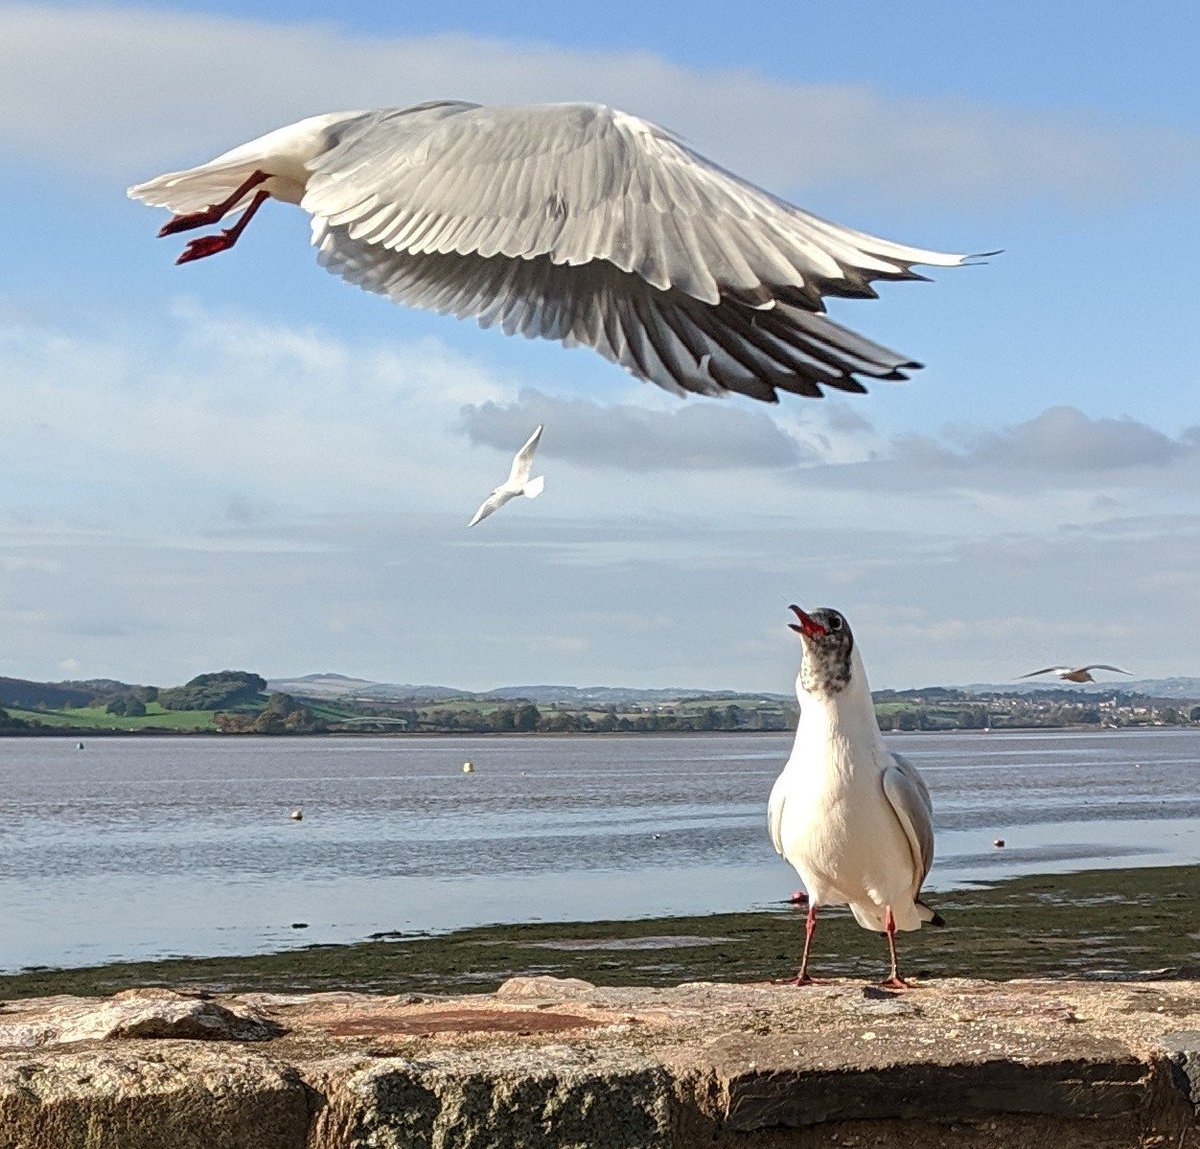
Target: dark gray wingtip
column 937, row 919
column 979, row 258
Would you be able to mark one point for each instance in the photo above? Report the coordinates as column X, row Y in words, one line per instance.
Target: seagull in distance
column 854, row 819
column 572, row 222
column 518, row 481
column 1074, row 673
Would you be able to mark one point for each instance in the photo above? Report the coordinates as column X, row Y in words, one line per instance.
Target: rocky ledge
column 546, row 1063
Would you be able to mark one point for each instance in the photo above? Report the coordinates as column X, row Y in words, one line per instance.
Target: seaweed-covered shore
column 1121, row 922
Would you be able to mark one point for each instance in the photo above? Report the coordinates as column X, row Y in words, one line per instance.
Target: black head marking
column 826, row 666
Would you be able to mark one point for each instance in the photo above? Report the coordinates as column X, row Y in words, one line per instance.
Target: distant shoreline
column 79, row 733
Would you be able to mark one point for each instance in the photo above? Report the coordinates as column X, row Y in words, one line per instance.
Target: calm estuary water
column 141, row 847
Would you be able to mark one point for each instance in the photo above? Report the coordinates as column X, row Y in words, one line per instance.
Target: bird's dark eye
column 835, row 622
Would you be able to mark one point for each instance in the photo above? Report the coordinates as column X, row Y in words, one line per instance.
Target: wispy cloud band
column 122, row 91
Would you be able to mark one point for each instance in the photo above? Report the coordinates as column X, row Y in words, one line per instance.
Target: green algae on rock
column 1114, row 923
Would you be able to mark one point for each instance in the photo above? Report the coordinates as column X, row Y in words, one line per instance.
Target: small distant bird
column 854, row 818
column 297, row 815
column 572, row 222
column 517, row 483
column 468, row 768
column 1074, row 673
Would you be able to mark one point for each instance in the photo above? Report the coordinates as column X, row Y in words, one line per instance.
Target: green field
column 97, row 718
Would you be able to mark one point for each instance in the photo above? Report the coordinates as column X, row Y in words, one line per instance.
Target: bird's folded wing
column 775, row 813
column 909, row 796
column 581, row 182
column 667, row 337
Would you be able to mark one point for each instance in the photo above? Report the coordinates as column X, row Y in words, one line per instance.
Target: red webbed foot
column 192, row 220
column 208, row 245
column 205, row 246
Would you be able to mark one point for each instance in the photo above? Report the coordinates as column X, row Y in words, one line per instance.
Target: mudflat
column 1099, row 924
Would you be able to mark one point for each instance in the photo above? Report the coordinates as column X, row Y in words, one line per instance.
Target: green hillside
column 98, row 718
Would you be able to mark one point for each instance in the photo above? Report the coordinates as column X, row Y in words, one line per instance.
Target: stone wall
column 549, row 1063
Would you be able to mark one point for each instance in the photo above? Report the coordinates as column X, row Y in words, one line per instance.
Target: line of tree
column 281, row 715
column 527, row 718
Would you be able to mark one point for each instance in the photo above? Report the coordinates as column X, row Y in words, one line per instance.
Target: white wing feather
column 522, row 463
column 578, row 182
column 775, row 813
column 577, row 223
column 583, row 224
column 490, row 505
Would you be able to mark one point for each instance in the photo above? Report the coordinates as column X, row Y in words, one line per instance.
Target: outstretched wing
column 583, row 224
column 522, row 464
column 909, row 796
column 491, row 504
column 1045, row 670
column 1104, row 666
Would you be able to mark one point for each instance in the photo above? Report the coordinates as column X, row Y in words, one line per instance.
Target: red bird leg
column 208, row 245
column 894, row 980
column 810, row 928
column 215, row 212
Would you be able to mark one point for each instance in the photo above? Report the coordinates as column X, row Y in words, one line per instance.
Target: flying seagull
column 572, row 222
column 1074, row 673
column 518, row 481
column 853, row 818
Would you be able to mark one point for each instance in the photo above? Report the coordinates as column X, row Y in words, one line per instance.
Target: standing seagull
column 573, row 222
column 518, row 481
column 852, row 817
column 1074, row 673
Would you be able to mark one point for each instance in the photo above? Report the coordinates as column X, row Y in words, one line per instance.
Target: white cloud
column 1065, row 439
column 412, row 598
column 254, row 414
column 1061, row 465
column 236, row 492
column 686, row 437
column 122, row 91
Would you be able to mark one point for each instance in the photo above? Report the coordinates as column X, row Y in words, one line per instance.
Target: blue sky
column 246, row 462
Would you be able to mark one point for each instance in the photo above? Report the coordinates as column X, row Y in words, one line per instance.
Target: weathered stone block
column 1182, row 1050
column 404, row 1104
column 185, row 1096
column 933, row 1092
